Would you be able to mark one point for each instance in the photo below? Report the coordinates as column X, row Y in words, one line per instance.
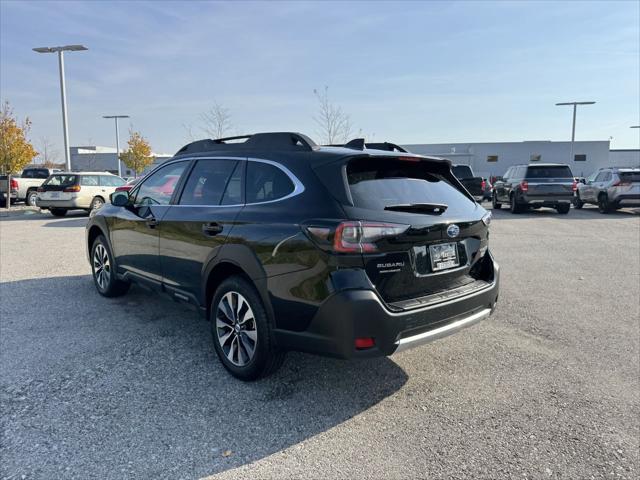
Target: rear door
column 134, row 229
column 628, row 183
column 197, row 225
column 444, row 229
column 54, row 187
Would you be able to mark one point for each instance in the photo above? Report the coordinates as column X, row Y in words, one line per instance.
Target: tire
column 32, row 198
column 515, row 206
column 236, row 309
column 58, row 212
column 103, row 271
column 96, row 203
column 577, row 203
column 603, row 203
column 494, row 202
column 563, row 208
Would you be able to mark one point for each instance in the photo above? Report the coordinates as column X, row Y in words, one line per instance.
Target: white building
column 490, row 159
column 95, row 158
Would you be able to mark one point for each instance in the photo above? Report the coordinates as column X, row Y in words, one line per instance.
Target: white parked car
column 66, row 191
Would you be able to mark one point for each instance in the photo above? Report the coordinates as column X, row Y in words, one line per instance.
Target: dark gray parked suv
column 534, row 186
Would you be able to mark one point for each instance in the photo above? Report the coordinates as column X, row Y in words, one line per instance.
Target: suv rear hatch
column 549, row 180
column 419, row 233
column 59, row 187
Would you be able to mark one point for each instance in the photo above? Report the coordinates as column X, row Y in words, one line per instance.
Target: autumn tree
column 334, row 125
column 138, row 155
column 216, row 122
column 16, row 152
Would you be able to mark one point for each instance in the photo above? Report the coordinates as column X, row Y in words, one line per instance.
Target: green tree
column 138, row 155
column 16, row 152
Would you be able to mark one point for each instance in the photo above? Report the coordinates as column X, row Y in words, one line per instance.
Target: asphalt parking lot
column 549, row 387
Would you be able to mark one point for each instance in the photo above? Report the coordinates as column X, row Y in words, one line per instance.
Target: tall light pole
column 63, row 93
column 116, row 117
column 573, row 127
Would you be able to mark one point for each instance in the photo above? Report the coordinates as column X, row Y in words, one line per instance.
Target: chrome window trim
column 298, row 186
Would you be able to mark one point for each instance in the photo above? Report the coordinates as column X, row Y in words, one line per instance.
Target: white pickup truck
column 24, row 187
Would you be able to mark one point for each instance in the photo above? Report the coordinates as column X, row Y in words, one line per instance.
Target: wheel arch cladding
column 94, row 232
column 224, row 268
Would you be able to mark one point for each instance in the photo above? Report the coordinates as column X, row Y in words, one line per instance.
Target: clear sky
column 416, row 72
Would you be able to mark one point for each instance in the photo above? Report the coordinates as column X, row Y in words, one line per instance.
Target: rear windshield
column 462, row 171
column 561, row 171
column 61, row 180
column 630, row 176
column 379, row 183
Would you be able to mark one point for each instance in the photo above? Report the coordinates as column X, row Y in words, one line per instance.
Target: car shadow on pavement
column 68, row 223
column 131, row 387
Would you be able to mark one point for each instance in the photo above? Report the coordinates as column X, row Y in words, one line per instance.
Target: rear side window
column 89, row 180
column 207, row 182
column 61, row 180
column 111, row 181
column 266, row 182
column 630, row 176
column 560, row 171
column 379, row 183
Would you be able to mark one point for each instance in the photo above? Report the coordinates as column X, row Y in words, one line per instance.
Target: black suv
column 286, row 245
column 535, row 186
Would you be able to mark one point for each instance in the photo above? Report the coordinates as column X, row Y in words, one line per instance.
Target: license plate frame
column 444, row 256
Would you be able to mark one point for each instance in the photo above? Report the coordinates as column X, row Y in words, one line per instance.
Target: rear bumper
column 352, row 314
column 68, row 204
column 631, row 200
column 546, row 200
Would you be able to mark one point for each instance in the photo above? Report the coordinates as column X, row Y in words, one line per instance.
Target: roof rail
column 264, row 141
column 360, row 144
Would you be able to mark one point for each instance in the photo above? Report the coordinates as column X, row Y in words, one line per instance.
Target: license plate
column 443, row 256
column 51, row 195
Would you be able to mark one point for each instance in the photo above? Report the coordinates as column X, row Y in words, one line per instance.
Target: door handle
column 152, row 222
column 211, row 229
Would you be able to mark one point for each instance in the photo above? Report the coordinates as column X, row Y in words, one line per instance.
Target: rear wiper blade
column 434, row 208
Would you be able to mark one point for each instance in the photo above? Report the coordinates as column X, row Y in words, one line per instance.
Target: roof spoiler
column 360, row 144
column 274, row 141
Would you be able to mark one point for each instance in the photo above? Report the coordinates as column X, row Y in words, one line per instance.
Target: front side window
column 266, row 182
column 158, row 188
column 208, row 182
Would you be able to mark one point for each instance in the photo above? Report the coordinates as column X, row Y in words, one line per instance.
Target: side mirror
column 119, row 199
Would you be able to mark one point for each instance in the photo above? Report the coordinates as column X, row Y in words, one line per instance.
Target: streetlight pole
column 116, row 117
column 573, row 125
column 63, row 93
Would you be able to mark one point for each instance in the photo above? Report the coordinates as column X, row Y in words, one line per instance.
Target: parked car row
column 610, row 189
column 24, row 187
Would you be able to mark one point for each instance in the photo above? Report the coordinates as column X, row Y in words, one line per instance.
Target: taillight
column 354, row 236
column 483, row 185
column 620, row 183
column 73, row 188
column 574, row 187
column 360, row 237
column 524, row 186
column 362, row 343
column 14, row 184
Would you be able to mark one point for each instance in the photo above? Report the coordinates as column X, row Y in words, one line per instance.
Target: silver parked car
column 610, row 189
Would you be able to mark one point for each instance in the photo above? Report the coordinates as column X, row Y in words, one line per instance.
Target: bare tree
column 49, row 155
column 334, row 125
column 217, row 121
column 188, row 130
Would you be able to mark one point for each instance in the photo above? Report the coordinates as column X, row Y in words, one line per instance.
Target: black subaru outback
column 285, row 245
